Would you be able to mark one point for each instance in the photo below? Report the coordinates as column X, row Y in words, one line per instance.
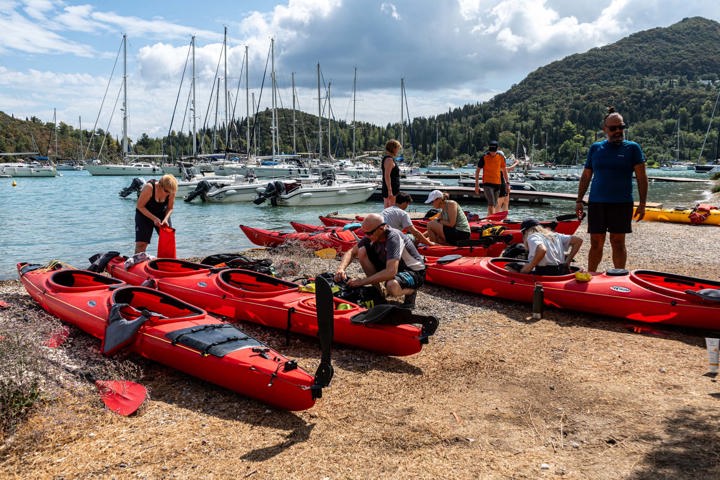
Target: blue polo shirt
column 613, row 165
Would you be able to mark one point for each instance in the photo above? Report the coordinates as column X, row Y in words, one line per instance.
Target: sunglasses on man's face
column 613, row 128
column 374, row 229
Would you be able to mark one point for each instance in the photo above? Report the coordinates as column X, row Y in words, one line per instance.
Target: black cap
column 528, row 223
column 493, row 143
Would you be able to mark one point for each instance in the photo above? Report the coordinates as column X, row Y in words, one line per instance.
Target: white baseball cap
column 434, row 195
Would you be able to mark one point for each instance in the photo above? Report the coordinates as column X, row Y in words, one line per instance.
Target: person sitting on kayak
column 397, row 217
column 385, row 255
column 546, row 250
column 452, row 226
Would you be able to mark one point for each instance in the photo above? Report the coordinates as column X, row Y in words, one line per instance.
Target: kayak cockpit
column 677, row 285
column 255, row 283
column 82, row 281
column 172, row 267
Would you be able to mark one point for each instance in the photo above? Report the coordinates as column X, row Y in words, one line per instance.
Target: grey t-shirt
column 396, row 217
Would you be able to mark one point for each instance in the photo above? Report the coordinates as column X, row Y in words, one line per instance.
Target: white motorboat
column 326, row 192
column 136, row 169
column 219, row 190
column 27, row 169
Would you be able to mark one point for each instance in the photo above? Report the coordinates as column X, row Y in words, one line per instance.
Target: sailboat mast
column 56, row 134
column 437, row 147
column 227, row 124
column 353, row 120
column 293, row 115
column 247, row 103
column 402, row 111
column 192, row 107
column 125, row 149
column 329, row 120
column 319, row 113
column 81, row 137
column 273, row 128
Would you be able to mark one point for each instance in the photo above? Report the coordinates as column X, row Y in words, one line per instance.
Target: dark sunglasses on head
column 374, row 229
column 612, row 128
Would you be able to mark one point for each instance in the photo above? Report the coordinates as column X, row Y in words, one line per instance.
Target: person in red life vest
column 153, row 209
column 494, row 173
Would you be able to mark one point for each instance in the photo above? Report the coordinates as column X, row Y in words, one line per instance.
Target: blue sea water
column 73, row 216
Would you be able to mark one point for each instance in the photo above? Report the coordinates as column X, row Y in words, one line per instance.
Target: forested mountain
column 658, row 79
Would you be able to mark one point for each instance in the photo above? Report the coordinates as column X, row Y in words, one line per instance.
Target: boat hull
column 85, row 299
column 640, row 295
column 243, row 295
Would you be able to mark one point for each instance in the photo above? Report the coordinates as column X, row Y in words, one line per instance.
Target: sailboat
column 34, row 165
column 138, row 168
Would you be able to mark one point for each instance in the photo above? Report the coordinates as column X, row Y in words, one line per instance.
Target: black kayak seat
column 616, row 272
column 448, row 258
column 711, row 294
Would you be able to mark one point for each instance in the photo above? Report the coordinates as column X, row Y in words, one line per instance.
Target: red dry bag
column 166, row 242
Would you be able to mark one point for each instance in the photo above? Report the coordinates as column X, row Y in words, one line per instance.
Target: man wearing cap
column 611, row 165
column 495, row 172
column 547, row 250
column 385, row 255
column 452, row 226
column 396, row 217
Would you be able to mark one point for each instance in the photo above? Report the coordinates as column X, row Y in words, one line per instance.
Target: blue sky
column 60, row 54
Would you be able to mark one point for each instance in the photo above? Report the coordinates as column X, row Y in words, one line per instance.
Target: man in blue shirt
column 610, row 165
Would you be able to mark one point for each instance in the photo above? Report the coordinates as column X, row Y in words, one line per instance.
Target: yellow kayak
column 700, row 215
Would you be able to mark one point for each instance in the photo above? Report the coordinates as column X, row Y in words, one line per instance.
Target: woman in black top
column 153, row 209
column 390, row 173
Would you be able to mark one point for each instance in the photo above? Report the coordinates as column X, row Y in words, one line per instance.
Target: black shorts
column 610, row 217
column 411, row 279
column 453, row 235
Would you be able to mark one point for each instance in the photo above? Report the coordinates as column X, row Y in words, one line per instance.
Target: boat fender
column 616, row 272
column 448, row 258
column 710, row 294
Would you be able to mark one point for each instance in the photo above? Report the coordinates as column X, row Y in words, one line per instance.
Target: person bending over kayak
column 385, row 255
column 452, row 226
column 546, row 250
column 153, row 209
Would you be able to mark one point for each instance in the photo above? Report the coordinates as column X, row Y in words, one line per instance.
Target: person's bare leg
column 597, row 243
column 619, row 251
column 140, row 247
column 365, row 262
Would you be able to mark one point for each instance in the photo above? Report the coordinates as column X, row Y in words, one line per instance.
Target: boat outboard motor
column 135, row 186
column 201, row 190
column 272, row 191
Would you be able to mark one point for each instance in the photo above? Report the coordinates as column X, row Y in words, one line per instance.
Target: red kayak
column 167, row 330
column 245, row 295
column 340, row 240
column 567, row 224
column 491, row 246
column 639, row 295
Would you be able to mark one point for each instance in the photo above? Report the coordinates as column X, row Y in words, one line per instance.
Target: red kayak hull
column 84, row 299
column 568, row 227
column 639, row 295
column 493, row 250
column 243, row 295
column 340, row 240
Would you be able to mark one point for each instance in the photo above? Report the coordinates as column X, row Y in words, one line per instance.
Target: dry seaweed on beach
column 494, row 395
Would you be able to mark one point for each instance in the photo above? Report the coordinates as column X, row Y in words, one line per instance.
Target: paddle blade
column 121, row 396
column 325, row 315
